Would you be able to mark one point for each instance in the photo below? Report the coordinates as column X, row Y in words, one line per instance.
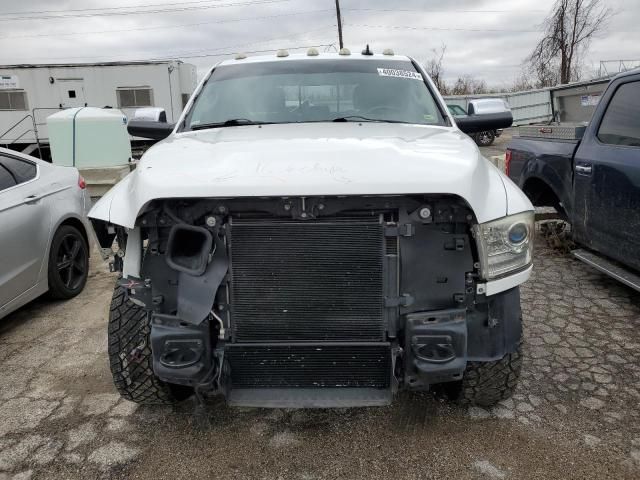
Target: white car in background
column 44, row 244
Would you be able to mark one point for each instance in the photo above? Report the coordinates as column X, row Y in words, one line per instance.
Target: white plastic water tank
column 89, row 137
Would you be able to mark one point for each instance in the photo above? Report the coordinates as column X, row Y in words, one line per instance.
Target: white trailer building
column 29, row 93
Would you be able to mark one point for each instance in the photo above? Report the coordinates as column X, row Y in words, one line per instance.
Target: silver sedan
column 44, row 242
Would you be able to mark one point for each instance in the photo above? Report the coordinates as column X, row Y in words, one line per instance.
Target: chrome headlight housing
column 505, row 245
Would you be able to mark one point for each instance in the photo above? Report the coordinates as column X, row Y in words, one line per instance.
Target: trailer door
column 71, row 92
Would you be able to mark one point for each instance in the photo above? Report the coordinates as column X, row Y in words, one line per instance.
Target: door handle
column 584, row 169
column 31, row 199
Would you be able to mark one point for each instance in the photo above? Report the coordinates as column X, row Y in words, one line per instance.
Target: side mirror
column 484, row 122
column 148, row 129
column 485, row 114
column 152, row 114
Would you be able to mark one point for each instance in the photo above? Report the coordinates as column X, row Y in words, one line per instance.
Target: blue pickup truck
column 591, row 175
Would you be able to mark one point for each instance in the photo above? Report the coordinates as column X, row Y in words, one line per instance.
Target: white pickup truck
column 316, row 231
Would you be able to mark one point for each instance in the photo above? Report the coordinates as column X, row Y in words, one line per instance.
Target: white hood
column 309, row 160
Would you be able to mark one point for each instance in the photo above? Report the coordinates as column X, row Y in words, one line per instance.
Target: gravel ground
column 499, row 145
column 576, row 412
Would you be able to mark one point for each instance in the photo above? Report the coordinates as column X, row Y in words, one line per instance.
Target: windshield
column 456, row 110
column 296, row 91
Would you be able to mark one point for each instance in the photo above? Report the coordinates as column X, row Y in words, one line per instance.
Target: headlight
column 505, row 245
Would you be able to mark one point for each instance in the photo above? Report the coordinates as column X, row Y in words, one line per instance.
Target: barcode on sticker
column 392, row 72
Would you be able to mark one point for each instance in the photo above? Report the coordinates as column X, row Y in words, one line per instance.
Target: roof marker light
column 388, row 51
column 345, row 51
column 282, row 54
column 312, row 52
column 241, row 56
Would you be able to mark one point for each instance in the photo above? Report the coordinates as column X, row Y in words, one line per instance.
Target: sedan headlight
column 505, row 245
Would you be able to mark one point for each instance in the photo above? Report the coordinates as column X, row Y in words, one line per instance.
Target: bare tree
column 567, row 34
column 468, row 85
column 435, row 68
column 521, row 83
column 479, row 86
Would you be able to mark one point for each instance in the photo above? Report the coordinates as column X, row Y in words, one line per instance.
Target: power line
column 145, row 12
column 165, row 27
column 226, row 54
column 196, row 53
column 189, row 54
column 446, row 29
column 37, row 12
column 409, row 10
column 150, row 5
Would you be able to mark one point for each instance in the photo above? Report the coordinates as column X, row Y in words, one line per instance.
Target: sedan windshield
column 299, row 91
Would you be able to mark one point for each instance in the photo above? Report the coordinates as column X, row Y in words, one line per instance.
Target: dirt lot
column 499, row 145
column 576, row 413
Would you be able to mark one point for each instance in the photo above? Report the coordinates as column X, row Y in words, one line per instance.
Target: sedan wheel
column 68, row 263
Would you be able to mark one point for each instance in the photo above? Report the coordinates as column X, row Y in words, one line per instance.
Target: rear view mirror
column 485, row 114
column 149, row 129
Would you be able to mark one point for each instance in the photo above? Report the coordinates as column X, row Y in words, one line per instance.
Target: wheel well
column 541, row 194
column 74, row 222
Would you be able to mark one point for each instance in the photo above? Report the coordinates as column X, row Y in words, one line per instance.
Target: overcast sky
column 485, row 38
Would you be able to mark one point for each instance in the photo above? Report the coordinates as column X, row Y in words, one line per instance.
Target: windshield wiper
column 233, row 122
column 360, row 118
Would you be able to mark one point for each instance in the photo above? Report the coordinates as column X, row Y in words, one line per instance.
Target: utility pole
column 339, row 24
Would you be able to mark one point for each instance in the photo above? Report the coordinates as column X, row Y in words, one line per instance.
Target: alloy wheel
column 71, row 261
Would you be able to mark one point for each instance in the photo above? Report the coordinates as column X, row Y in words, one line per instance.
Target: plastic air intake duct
column 188, row 249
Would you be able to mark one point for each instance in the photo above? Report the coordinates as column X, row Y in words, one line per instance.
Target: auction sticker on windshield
column 392, row 72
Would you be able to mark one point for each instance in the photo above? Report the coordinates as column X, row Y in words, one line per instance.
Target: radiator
column 307, row 281
column 310, row 366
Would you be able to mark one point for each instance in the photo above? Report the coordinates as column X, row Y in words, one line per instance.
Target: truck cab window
column 621, row 122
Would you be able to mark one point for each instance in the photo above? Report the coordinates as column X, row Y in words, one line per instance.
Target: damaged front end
column 313, row 301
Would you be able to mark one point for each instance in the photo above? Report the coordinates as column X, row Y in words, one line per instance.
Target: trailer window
column 135, row 97
column 13, row 100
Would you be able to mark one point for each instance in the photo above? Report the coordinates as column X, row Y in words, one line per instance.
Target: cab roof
column 321, row 56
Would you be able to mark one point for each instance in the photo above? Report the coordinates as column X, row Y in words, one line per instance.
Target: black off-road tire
column 486, row 383
column 130, row 355
column 68, row 263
